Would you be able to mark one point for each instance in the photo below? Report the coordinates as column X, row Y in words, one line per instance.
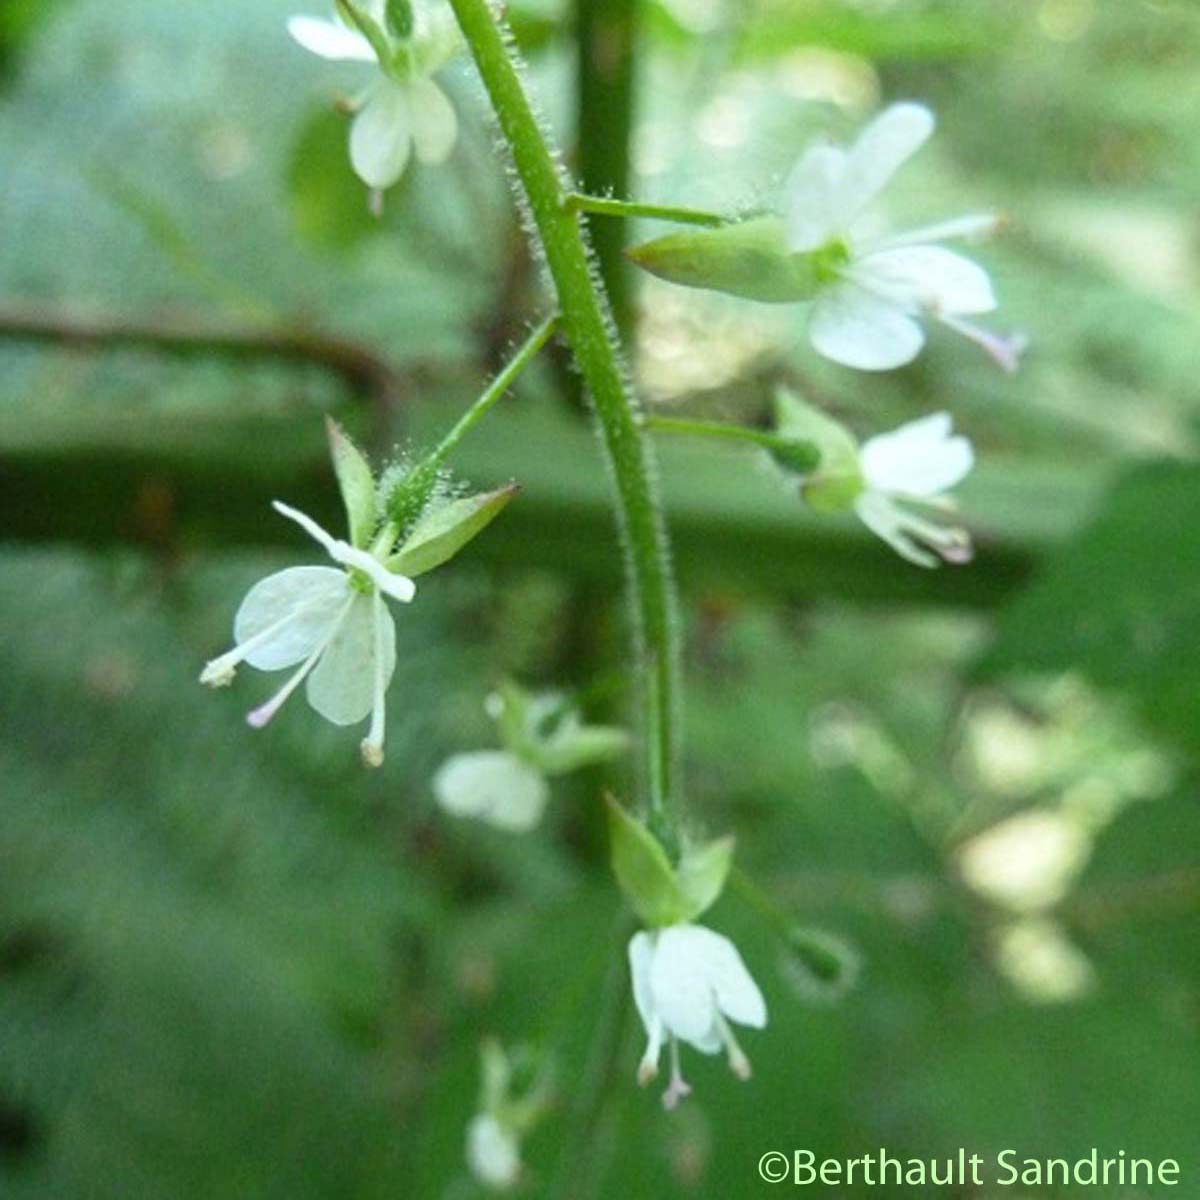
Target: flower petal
column 682, row 995
column 330, row 40
column 813, row 198
column 381, row 135
column 882, row 148
column 312, row 597
column 921, row 458
column 860, row 330
column 342, row 686
column 930, row 278
column 737, row 994
column 641, row 955
column 494, row 786
column 434, row 121
column 492, row 1152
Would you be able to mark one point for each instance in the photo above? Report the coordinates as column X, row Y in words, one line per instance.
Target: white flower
column 493, row 1153
column 333, row 623
column 873, row 289
column 494, row 786
column 917, row 463
column 403, row 110
column 688, row 984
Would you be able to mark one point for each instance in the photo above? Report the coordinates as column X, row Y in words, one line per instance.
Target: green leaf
column 440, row 534
column 356, row 483
column 750, row 259
column 702, row 873
column 1122, row 603
column 643, row 870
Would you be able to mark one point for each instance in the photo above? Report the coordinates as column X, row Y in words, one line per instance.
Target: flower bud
column 399, row 17
column 749, row 259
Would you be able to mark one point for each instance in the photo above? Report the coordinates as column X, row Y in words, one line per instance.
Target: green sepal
column 643, row 870
column 749, row 259
column 702, row 873
column 837, row 482
column 443, row 531
column 573, row 744
column 356, row 483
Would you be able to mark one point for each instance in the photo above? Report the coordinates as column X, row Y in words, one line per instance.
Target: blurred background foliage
column 237, row 965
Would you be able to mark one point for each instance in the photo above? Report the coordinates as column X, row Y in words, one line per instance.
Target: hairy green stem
column 589, row 331
column 607, row 206
column 496, row 389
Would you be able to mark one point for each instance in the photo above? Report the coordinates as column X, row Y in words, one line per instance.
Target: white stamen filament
column 1004, row 351
column 399, row 587
column 648, row 1067
column 739, row 1064
column 259, row 717
column 219, row 671
column 372, row 745
column 971, row 228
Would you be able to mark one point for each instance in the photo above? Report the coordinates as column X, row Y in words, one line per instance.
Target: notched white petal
column 381, row 135
column 434, row 121
column 285, row 616
column 854, row 328
column 812, row 198
column 342, row 687
column 931, row 279
column 330, row 40
column 882, row 148
column 493, row 786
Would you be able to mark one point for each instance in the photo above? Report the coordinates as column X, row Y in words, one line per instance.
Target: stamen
column 372, row 745
column 678, row 1087
column 309, row 526
column 739, row 1064
column 648, row 1067
column 971, row 228
column 1004, row 351
column 259, row 717
column 399, row 587
column 219, row 672
column 375, row 203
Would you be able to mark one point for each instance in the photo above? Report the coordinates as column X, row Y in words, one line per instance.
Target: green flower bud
column 399, row 18
column 821, row 967
column 749, row 259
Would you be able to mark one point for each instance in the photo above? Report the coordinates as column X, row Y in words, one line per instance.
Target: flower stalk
column 588, row 328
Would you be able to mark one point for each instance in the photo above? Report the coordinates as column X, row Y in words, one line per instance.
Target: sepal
column 660, row 893
column 356, row 484
column 749, row 259
column 837, row 480
column 442, row 531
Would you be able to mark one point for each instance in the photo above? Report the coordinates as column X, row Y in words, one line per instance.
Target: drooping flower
column 873, row 291
column 915, row 465
column 544, row 736
column 333, row 623
column 494, row 786
column 689, row 983
column 403, row 110
column 493, row 1152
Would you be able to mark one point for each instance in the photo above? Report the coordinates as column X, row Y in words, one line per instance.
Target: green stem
column 588, row 329
column 608, row 207
column 495, row 390
column 799, row 455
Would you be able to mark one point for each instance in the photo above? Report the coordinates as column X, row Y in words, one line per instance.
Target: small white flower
column 333, row 623
column 688, row 984
column 494, row 786
column 874, row 289
column 918, row 464
column 493, row 1152
column 402, row 111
